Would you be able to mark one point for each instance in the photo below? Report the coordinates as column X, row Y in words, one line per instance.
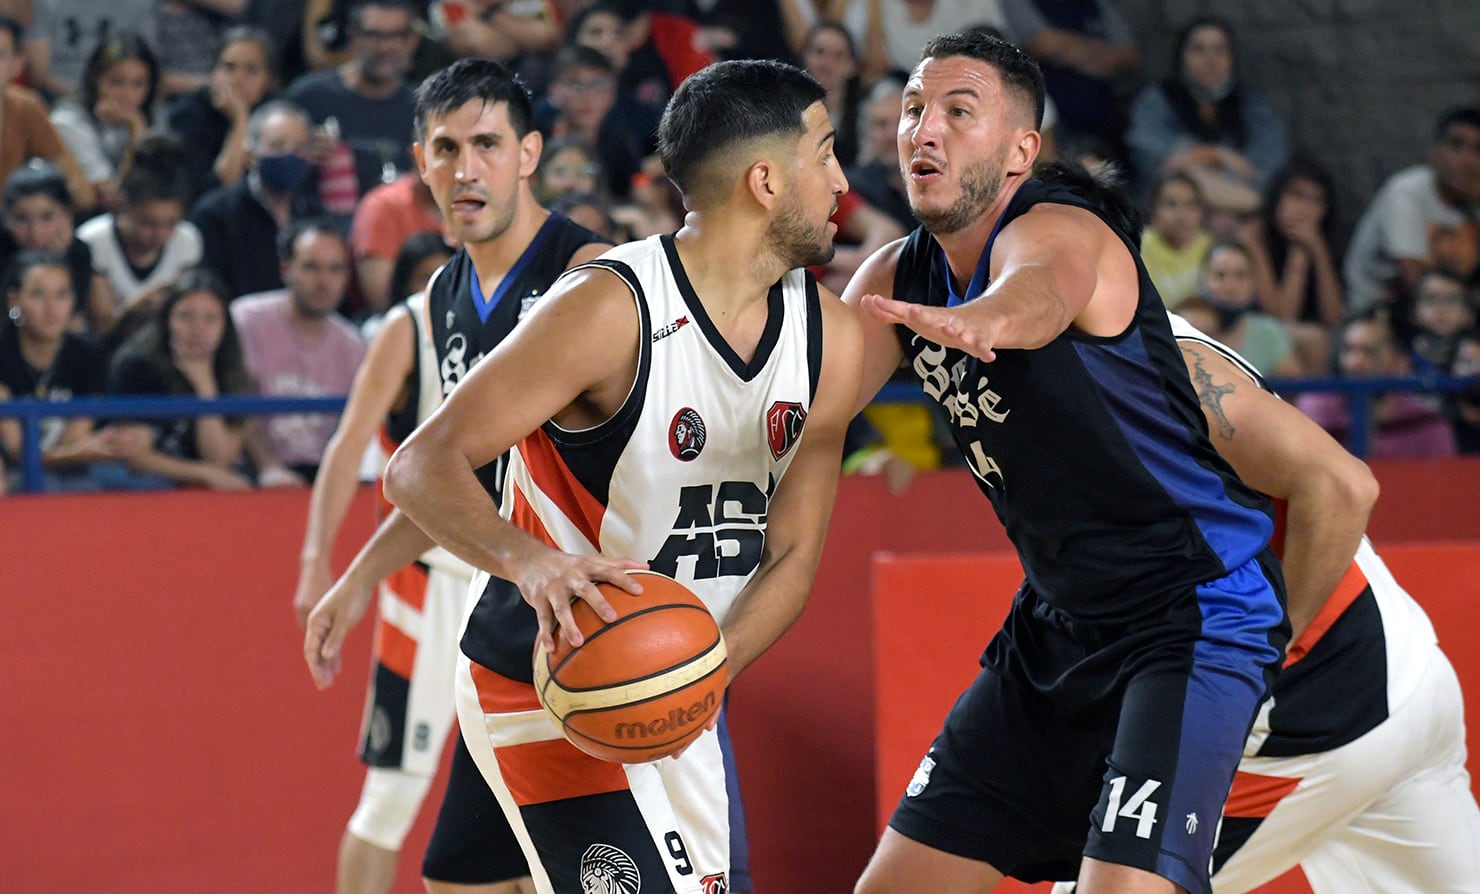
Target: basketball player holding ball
column 678, row 404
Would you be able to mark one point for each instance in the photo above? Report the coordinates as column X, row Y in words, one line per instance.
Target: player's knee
column 388, row 806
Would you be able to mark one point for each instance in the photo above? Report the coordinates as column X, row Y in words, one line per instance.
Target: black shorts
column 1117, row 743
column 472, row 843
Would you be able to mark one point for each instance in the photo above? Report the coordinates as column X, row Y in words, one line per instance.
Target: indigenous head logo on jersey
column 608, row 870
column 784, row 423
column 686, row 434
column 715, row 884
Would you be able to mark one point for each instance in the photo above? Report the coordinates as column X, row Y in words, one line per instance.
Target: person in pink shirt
column 296, row 345
column 386, row 218
column 1404, row 425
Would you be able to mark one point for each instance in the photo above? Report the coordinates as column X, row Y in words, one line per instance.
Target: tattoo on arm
column 1210, row 395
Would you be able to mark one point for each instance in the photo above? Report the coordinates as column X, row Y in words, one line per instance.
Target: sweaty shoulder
column 590, row 320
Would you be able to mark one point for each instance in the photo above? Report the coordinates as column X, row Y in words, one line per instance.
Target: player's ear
column 763, row 179
column 1024, row 152
column 530, row 147
column 421, row 159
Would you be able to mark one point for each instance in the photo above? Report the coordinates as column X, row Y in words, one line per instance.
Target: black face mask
column 1228, row 315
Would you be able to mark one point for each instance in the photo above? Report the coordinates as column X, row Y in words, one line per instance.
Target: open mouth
column 923, row 169
column 467, row 205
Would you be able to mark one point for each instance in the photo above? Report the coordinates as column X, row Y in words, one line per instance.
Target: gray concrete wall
column 1360, row 82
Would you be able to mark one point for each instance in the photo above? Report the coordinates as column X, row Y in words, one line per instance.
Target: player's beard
column 502, row 216
column 797, row 240
column 979, row 185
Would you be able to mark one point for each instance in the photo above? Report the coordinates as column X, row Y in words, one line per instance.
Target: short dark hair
column 1017, row 69
column 287, row 237
column 729, row 103
column 1466, row 116
column 36, row 177
column 356, row 13
column 251, row 34
column 158, row 173
column 466, row 80
column 578, row 55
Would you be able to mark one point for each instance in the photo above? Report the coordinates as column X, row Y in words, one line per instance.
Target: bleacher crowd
column 219, row 197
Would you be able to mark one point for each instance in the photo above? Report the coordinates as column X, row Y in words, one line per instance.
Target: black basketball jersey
column 466, row 322
column 1093, row 451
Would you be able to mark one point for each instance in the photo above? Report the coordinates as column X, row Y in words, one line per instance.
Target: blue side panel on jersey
column 1230, row 660
column 1131, row 391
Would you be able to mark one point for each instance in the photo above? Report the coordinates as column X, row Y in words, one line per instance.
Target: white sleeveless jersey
column 1340, row 635
column 682, row 474
column 428, row 397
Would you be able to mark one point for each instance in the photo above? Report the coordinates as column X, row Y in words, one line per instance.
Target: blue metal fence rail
column 30, row 412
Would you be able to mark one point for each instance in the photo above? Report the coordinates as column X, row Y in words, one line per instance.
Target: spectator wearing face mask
column 239, row 224
column 1224, row 308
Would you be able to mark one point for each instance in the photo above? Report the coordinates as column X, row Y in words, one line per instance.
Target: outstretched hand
column 555, row 580
column 948, row 326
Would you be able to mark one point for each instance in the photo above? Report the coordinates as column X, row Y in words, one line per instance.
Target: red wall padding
column 930, row 627
column 160, row 731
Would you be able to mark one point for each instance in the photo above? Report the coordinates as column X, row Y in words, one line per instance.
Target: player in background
column 476, row 150
column 1355, row 768
column 681, row 404
column 1102, row 734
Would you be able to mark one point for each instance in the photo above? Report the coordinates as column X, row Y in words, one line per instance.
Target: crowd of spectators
column 220, row 197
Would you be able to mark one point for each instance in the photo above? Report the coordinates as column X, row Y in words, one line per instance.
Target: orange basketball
column 643, row 686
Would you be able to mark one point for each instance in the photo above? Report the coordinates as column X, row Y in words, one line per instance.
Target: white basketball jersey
column 1406, row 632
column 682, row 475
column 428, row 398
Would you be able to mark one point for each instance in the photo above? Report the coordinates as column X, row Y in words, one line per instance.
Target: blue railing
column 31, row 412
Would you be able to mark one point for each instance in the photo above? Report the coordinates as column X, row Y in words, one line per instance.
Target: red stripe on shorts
column 497, row 694
column 1254, row 796
column 554, row 770
column 394, row 649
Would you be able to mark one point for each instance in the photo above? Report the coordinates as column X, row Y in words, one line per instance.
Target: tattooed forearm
column 1210, row 394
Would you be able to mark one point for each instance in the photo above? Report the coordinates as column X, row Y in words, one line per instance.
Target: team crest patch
column 686, row 434
column 921, row 777
column 715, row 884
column 608, row 870
column 784, row 423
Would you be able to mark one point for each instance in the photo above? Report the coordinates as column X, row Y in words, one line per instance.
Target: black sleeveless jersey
column 466, row 322
column 1093, row 451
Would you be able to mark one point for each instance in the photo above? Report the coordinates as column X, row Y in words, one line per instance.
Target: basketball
column 642, row 687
